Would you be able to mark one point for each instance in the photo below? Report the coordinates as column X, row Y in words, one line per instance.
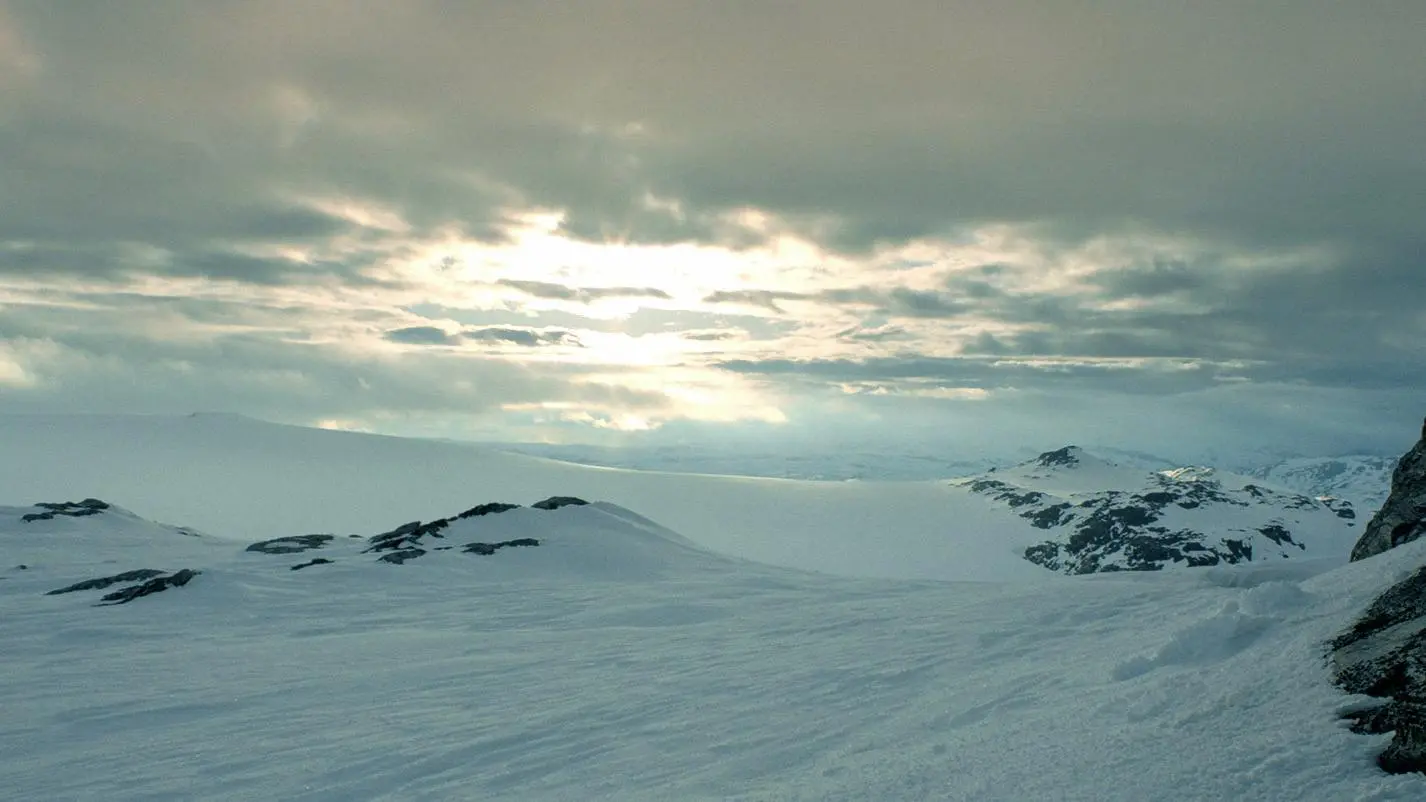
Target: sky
column 1161, row 225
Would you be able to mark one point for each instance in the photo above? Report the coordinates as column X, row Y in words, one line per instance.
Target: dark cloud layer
column 1257, row 124
column 561, row 292
column 1262, row 159
column 500, row 335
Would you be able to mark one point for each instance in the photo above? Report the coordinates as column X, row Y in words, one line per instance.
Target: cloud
column 523, row 337
column 584, row 295
column 421, row 335
column 898, row 301
column 764, row 299
column 1148, row 198
column 717, row 335
column 496, row 335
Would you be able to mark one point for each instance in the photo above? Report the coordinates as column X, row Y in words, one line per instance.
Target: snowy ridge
column 93, row 533
column 1364, row 480
column 1102, row 517
column 102, row 548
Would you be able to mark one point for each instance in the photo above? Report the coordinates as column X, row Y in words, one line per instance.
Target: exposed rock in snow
column 293, row 544
column 407, row 542
column 1403, row 518
column 1107, row 518
column 555, row 502
column 492, row 508
column 141, row 582
column 486, row 549
column 310, row 563
column 105, row 581
column 1067, row 457
column 1384, row 655
column 66, row 509
column 157, row 584
column 400, row 556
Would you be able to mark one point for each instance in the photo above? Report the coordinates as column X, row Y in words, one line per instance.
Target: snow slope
column 254, row 480
column 1364, row 480
column 533, row 673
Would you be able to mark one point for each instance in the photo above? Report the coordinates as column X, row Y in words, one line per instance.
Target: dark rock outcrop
column 66, row 509
column 555, row 502
column 487, row 549
column 406, row 539
column 310, row 563
column 1403, row 518
column 293, row 544
column 407, row 542
column 142, row 582
column 1384, row 655
column 1341, row 507
column 105, row 581
column 155, row 584
column 492, row 508
column 400, row 556
column 1063, row 457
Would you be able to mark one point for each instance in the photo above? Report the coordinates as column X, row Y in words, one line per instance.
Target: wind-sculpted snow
column 524, row 674
column 585, row 652
column 1105, row 518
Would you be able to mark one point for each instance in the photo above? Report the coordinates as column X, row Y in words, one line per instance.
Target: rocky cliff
column 1403, row 518
column 1384, row 653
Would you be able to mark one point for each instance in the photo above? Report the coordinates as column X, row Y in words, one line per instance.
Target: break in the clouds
column 531, row 220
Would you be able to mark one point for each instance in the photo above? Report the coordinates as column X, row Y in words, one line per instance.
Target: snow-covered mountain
column 256, row 480
column 95, row 549
column 1364, row 480
column 1098, row 516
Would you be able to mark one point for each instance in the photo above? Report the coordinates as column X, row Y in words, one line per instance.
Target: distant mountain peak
column 1191, row 473
column 1066, row 457
column 1101, row 517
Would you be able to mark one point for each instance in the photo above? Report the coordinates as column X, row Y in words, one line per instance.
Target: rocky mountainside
column 1362, row 479
column 1098, row 516
column 1384, row 654
column 1402, row 518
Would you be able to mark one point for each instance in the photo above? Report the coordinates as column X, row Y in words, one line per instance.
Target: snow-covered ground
column 1363, row 479
column 618, row 660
